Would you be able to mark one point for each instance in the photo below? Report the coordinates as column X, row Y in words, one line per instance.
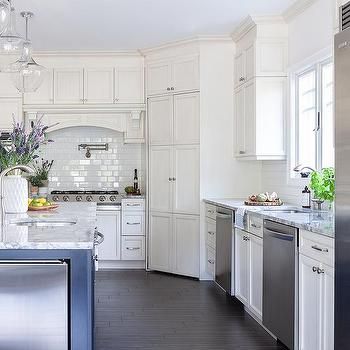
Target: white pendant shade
column 10, row 41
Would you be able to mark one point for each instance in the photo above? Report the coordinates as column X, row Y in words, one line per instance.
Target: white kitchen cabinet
column 239, row 69
column 98, row 85
column 249, row 270
column 129, row 85
column 160, row 177
column 44, row 94
column 186, row 245
column 316, row 305
column 133, row 248
column 173, row 75
column 68, row 86
column 160, row 241
column 133, row 223
column 10, row 108
column 186, row 197
column 7, row 86
column 160, row 115
column 174, row 243
column 109, row 225
column 260, row 104
column 174, row 120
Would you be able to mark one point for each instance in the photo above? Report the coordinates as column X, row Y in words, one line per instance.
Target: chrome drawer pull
column 255, row 225
column 212, row 262
column 325, row 250
column 133, row 223
column 133, row 205
column 133, row 248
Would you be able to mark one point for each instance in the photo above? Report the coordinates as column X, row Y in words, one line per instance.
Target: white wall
column 309, row 33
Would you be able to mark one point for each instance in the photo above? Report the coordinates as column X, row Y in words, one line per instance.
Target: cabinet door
column 109, row 225
column 160, row 241
column 129, row 86
column 98, row 85
column 185, row 74
column 7, row 86
column 309, row 304
column 44, row 94
column 249, row 118
column 255, row 274
column 10, row 108
column 241, row 266
column 186, row 179
column 240, row 122
column 327, row 306
column 186, row 119
column 249, row 59
column 186, row 245
column 239, row 70
column 68, row 86
column 158, row 78
column 161, row 169
column 160, row 115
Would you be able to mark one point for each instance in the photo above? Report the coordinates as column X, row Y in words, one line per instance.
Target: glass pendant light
column 27, row 74
column 10, row 41
column 5, row 12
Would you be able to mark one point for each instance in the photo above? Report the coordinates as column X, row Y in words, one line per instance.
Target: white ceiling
column 134, row 24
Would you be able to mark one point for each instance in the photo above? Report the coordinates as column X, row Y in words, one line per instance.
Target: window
column 314, row 120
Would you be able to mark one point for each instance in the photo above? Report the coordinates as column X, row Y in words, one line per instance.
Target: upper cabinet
column 173, row 75
column 69, row 86
column 98, row 85
column 129, row 85
column 260, row 76
column 44, row 95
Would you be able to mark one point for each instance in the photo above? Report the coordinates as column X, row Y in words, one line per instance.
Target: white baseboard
column 120, row 265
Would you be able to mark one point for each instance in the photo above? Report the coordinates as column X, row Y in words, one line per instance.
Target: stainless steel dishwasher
column 34, row 305
column 280, row 282
column 223, row 262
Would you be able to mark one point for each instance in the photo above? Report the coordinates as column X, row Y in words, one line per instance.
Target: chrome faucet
column 25, row 168
column 299, row 169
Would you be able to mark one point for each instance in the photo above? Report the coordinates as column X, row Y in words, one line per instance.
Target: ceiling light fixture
column 27, row 74
column 5, row 12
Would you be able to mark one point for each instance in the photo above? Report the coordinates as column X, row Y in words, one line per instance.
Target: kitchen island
column 47, row 279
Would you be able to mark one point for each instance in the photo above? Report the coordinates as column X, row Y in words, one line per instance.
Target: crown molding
column 186, row 41
column 86, row 53
column 252, row 21
column 296, row 9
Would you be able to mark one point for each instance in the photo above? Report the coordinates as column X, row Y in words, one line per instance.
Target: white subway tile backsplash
column 112, row 169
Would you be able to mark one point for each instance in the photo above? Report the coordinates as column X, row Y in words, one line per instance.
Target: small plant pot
column 34, row 190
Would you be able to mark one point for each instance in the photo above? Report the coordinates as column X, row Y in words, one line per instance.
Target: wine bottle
column 136, row 182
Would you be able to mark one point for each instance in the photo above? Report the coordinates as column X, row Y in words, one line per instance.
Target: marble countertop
column 77, row 236
column 310, row 220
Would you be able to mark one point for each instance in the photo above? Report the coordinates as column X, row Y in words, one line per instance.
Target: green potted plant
column 323, row 185
column 40, row 180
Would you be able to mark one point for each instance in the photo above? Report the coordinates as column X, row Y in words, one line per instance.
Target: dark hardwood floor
column 154, row 311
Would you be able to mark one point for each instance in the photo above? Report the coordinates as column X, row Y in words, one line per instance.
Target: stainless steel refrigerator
column 342, row 165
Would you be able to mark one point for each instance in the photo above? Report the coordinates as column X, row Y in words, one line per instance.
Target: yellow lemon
column 42, row 200
column 37, row 205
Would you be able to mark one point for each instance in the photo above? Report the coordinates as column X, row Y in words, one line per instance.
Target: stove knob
column 89, row 198
column 79, row 198
column 65, row 198
column 112, row 198
column 55, row 198
column 102, row 198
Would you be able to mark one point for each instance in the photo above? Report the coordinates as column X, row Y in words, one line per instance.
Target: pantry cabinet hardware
column 320, row 271
column 241, row 79
column 133, row 248
column 212, row 262
column 172, row 89
column 324, row 250
column 168, row 88
column 133, row 223
column 314, row 269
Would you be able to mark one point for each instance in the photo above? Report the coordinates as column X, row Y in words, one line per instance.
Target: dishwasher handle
column 31, row 262
column 279, row 235
column 223, row 216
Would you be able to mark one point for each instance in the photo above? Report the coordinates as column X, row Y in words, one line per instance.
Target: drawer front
column 133, row 248
column 318, row 247
column 256, row 225
column 133, row 205
column 133, row 223
column 211, row 261
column 210, row 211
column 211, row 233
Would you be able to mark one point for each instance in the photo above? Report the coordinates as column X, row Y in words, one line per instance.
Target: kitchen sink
column 44, row 222
column 287, row 211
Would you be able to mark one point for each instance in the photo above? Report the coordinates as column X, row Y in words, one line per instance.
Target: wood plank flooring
column 154, row 311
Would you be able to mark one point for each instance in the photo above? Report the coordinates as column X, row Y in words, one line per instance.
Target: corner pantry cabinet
column 260, row 88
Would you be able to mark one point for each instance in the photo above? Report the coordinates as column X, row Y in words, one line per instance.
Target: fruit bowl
column 43, row 208
column 41, row 204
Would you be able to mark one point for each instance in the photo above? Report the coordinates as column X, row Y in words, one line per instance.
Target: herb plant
column 323, row 184
column 42, row 169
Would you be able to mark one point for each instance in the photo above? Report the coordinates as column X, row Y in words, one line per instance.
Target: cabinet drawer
column 133, row 204
column 211, row 261
column 210, row 211
column 256, row 225
column 318, row 247
column 211, row 233
column 133, row 248
column 133, row 223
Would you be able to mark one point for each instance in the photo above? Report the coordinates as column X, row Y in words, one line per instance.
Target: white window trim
column 293, row 72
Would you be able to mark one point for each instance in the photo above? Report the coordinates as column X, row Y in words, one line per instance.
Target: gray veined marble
column 79, row 234
column 321, row 222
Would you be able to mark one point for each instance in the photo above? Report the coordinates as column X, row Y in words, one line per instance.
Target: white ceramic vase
column 15, row 194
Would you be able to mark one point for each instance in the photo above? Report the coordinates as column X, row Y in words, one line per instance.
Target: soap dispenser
column 306, row 198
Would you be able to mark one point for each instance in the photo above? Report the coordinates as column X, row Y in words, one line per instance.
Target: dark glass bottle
column 136, row 182
column 306, row 198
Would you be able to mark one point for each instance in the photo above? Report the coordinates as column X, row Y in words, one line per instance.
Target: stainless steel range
column 100, row 197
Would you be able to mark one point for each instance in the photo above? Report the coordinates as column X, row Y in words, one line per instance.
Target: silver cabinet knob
column 174, row 178
column 314, row 269
column 320, row 271
column 168, row 89
column 170, row 179
column 211, row 262
column 172, row 89
column 241, row 79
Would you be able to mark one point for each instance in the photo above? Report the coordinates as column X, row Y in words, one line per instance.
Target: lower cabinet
column 133, row 248
column 249, row 270
column 316, row 305
column 174, row 243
